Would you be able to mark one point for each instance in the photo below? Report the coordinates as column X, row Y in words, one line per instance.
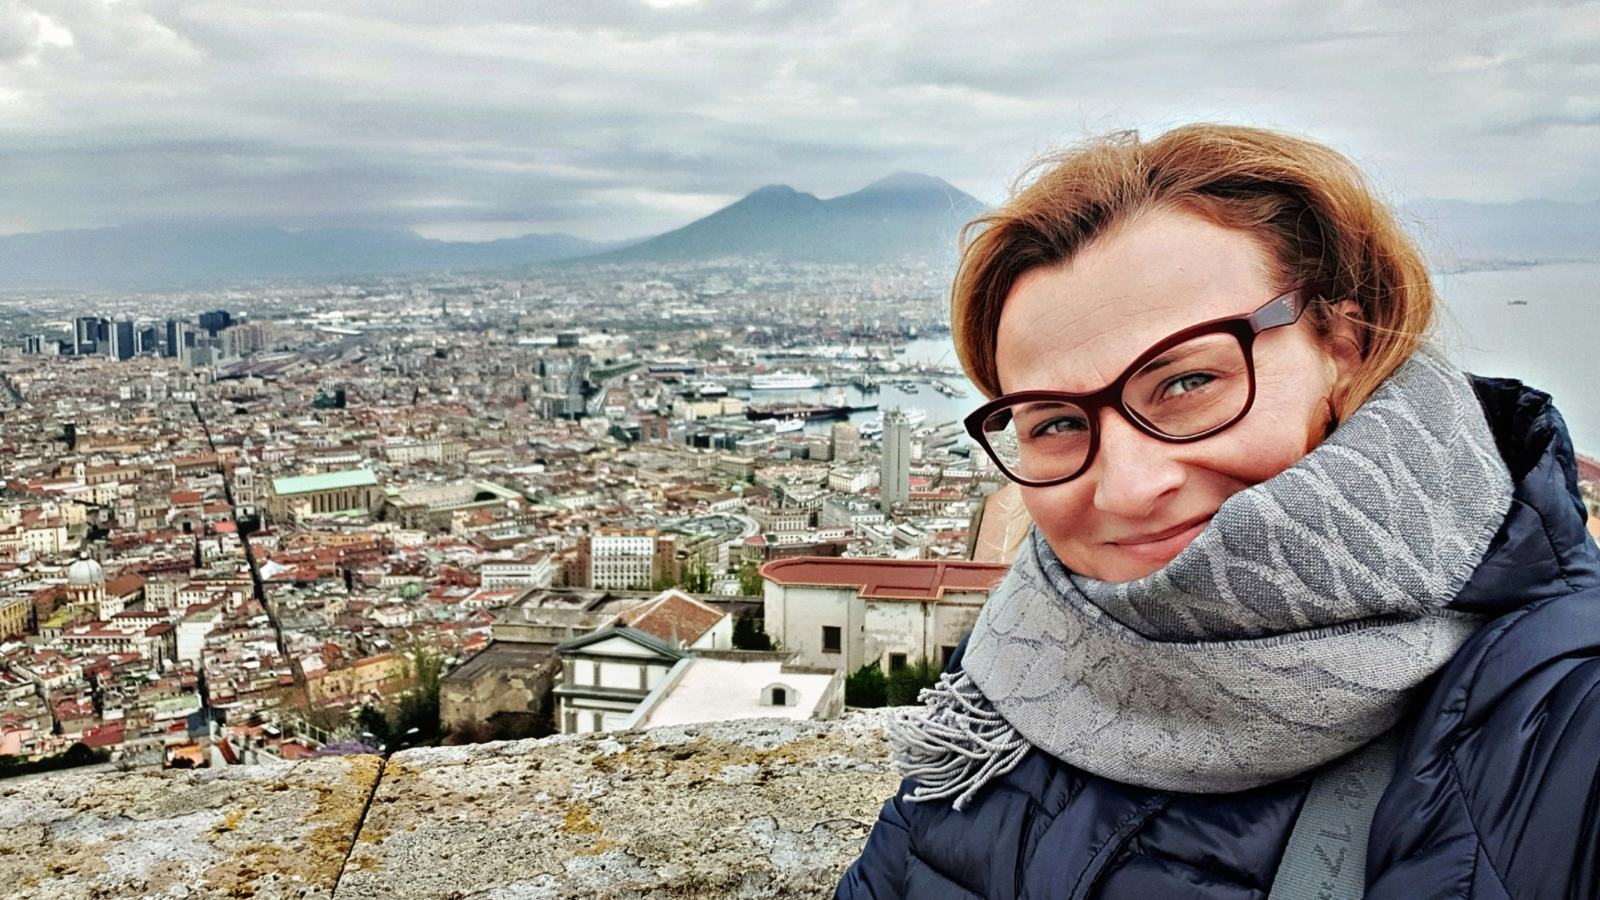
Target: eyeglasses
column 1189, row 386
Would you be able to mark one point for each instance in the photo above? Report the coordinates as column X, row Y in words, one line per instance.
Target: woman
column 1281, row 550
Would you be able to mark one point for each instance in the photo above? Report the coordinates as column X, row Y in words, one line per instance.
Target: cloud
column 616, row 119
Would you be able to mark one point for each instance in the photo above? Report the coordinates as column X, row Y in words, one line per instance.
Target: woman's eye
column 1058, row 426
column 1183, row 384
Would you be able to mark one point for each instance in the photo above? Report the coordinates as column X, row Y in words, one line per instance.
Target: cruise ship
column 874, row 426
column 784, row 381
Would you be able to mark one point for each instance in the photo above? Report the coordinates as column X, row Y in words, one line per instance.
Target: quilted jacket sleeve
column 1511, row 807
column 1531, row 772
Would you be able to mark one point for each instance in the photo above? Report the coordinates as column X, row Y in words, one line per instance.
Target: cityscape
column 519, row 450
column 296, row 518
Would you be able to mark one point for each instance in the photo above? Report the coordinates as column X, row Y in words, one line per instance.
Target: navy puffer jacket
column 1496, row 792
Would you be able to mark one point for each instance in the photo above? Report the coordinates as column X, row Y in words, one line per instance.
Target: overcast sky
column 610, row 119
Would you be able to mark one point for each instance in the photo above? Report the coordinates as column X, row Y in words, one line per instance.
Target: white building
column 532, row 571
column 606, row 675
column 851, row 479
column 847, row 613
column 854, row 513
column 622, row 560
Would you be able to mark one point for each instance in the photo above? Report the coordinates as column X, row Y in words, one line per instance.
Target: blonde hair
column 1308, row 206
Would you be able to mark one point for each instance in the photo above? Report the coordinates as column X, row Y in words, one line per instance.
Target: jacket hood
column 1542, row 549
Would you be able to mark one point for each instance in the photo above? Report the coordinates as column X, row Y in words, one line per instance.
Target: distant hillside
column 1455, row 233
column 160, row 255
column 903, row 216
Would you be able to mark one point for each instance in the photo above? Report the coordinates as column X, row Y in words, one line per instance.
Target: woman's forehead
column 1075, row 327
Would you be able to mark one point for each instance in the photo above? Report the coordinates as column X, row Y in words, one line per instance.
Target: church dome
column 85, row 573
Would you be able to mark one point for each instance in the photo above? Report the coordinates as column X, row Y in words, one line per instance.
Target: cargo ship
column 804, row 411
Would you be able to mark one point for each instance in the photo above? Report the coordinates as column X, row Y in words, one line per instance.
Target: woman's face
column 1075, row 327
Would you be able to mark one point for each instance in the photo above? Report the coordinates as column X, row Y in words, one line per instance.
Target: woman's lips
column 1160, row 546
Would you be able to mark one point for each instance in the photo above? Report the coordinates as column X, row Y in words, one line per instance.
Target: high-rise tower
column 894, row 473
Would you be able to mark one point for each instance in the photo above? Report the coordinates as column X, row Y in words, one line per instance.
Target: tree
column 747, row 635
column 751, row 584
column 414, row 717
column 697, row 578
column 908, row 681
column 866, row 687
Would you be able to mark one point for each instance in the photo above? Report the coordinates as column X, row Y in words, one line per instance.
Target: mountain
column 903, row 216
column 170, row 254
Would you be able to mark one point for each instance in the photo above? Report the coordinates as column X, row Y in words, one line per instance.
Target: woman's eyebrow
column 1169, row 357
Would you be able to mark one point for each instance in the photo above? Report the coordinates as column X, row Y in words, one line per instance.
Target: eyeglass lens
column 1189, row 389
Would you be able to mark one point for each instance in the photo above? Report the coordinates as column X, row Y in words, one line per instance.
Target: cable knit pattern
column 1289, row 633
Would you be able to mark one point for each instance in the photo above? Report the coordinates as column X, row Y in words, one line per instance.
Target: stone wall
column 755, row 808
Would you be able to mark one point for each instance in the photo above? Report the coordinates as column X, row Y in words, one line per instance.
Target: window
column 780, row 697
column 644, row 678
column 571, row 724
column 595, row 719
column 897, row 661
column 945, row 652
column 831, row 639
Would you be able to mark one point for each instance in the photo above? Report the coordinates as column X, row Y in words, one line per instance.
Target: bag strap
column 1326, row 857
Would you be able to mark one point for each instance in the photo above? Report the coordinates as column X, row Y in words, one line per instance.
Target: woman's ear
column 1343, row 341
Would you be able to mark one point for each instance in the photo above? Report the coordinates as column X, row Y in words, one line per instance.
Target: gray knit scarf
column 1290, row 632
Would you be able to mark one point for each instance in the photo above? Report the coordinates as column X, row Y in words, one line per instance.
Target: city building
column 123, row 341
column 607, row 674
column 330, row 492
column 625, row 558
column 847, row 613
column 846, row 440
column 681, row 621
column 894, row 471
column 535, row 570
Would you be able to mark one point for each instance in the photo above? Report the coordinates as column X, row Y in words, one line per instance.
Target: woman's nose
column 1134, row 471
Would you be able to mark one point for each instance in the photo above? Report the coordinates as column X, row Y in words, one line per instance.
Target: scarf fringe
column 959, row 745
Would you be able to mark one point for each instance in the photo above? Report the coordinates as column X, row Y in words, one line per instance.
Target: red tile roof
column 673, row 615
column 886, row 579
column 124, row 585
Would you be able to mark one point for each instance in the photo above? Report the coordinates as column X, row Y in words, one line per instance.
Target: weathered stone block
column 250, row 831
column 754, row 808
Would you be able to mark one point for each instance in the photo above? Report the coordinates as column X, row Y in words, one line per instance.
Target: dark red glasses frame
column 1284, row 309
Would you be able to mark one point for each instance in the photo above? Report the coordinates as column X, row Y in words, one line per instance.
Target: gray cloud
column 613, row 118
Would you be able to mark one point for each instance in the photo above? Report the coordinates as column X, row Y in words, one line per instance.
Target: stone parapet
column 753, row 808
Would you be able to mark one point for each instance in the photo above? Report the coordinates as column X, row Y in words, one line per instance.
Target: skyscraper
column 215, row 320
column 122, row 341
column 88, row 334
column 174, row 338
column 894, row 473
